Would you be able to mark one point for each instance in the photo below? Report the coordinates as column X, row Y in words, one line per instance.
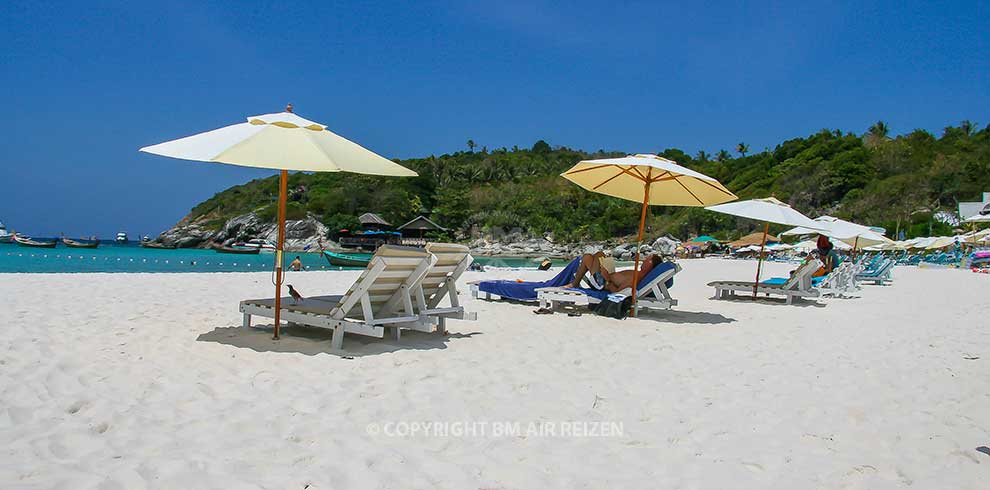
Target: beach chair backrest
column 656, row 285
column 386, row 284
column 801, row 279
column 440, row 280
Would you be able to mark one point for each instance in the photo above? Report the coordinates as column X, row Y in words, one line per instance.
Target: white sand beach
column 131, row 381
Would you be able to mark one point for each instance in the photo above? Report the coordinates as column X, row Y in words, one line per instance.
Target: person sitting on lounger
column 826, row 253
column 602, row 279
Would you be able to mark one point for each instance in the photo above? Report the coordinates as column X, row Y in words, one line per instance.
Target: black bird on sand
column 295, row 295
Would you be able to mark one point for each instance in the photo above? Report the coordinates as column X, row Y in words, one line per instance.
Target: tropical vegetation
column 899, row 183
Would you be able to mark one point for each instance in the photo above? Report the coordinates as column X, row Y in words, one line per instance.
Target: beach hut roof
column 373, row 219
column 421, row 223
column 752, row 239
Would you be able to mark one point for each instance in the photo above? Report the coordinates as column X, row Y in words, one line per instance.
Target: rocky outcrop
column 515, row 246
column 299, row 234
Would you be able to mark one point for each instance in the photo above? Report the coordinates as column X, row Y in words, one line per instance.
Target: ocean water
column 112, row 257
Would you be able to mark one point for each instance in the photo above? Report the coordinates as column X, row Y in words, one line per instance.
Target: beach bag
column 613, row 306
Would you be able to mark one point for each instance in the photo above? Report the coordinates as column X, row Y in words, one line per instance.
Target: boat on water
column 154, row 244
column 5, row 236
column 26, row 241
column 236, row 250
column 264, row 246
column 81, row 243
column 347, row 260
column 121, row 237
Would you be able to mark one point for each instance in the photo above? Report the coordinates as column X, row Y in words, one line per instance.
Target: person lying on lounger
column 602, row 279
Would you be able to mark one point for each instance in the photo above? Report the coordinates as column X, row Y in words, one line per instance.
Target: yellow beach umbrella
column 282, row 141
column 647, row 179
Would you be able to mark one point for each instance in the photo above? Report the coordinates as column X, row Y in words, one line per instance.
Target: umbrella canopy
column 853, row 234
column 282, row 141
column 647, row 179
column 767, row 210
column 753, row 239
column 704, row 238
column 809, row 245
column 660, row 181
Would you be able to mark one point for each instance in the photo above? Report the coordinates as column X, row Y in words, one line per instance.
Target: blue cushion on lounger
column 526, row 291
column 780, row 281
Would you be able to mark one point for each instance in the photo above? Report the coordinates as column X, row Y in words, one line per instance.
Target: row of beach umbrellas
column 286, row 141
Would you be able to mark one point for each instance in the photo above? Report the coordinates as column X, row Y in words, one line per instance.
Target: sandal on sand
column 574, row 313
column 543, row 311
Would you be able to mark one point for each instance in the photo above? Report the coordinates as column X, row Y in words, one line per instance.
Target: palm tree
column 702, row 156
column 742, row 149
column 722, row 156
column 967, row 127
column 879, row 130
column 471, row 144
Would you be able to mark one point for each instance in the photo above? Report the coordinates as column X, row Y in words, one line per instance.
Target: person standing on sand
column 296, row 264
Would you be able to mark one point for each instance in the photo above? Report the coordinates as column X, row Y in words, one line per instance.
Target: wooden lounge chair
column 382, row 297
column 653, row 294
column 798, row 286
column 441, row 282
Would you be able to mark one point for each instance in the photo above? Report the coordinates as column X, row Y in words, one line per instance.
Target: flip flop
column 543, row 311
column 574, row 313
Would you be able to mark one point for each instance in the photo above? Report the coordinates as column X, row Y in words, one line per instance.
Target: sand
column 146, row 381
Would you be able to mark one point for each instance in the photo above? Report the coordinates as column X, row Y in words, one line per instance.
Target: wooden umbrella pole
column 283, row 182
column 759, row 260
column 639, row 244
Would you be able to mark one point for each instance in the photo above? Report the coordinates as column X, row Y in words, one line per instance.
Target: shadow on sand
column 771, row 301
column 313, row 341
column 682, row 317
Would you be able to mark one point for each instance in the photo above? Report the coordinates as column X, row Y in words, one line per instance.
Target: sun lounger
column 382, row 297
column 653, row 293
column 880, row 275
column 797, row 286
column 840, row 283
column 520, row 290
column 441, row 282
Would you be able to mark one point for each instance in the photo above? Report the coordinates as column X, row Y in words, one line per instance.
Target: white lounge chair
column 382, row 297
column 840, row 283
column 798, row 286
column 653, row 294
column 441, row 282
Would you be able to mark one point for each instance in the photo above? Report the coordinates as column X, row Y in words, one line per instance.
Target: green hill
column 897, row 183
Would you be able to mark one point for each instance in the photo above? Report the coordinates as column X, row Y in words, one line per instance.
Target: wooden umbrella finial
column 288, row 107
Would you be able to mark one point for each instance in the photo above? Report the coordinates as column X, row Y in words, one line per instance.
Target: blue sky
column 85, row 84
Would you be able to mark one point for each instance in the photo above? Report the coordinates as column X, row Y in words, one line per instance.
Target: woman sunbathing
column 602, row 279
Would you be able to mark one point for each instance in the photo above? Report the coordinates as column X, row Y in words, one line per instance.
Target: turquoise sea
column 130, row 257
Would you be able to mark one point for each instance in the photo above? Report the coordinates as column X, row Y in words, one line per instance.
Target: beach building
column 970, row 209
column 371, row 221
column 414, row 232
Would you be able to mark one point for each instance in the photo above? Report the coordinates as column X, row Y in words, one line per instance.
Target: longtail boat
column 347, row 260
column 235, row 250
column 30, row 242
column 80, row 243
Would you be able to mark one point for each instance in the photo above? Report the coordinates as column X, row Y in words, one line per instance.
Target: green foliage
column 873, row 179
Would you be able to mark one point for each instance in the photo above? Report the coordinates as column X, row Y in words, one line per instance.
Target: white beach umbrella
column 768, row 210
column 282, row 141
column 856, row 235
column 647, row 179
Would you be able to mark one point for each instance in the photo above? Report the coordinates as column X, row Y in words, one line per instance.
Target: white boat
column 263, row 246
column 5, row 236
column 121, row 237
